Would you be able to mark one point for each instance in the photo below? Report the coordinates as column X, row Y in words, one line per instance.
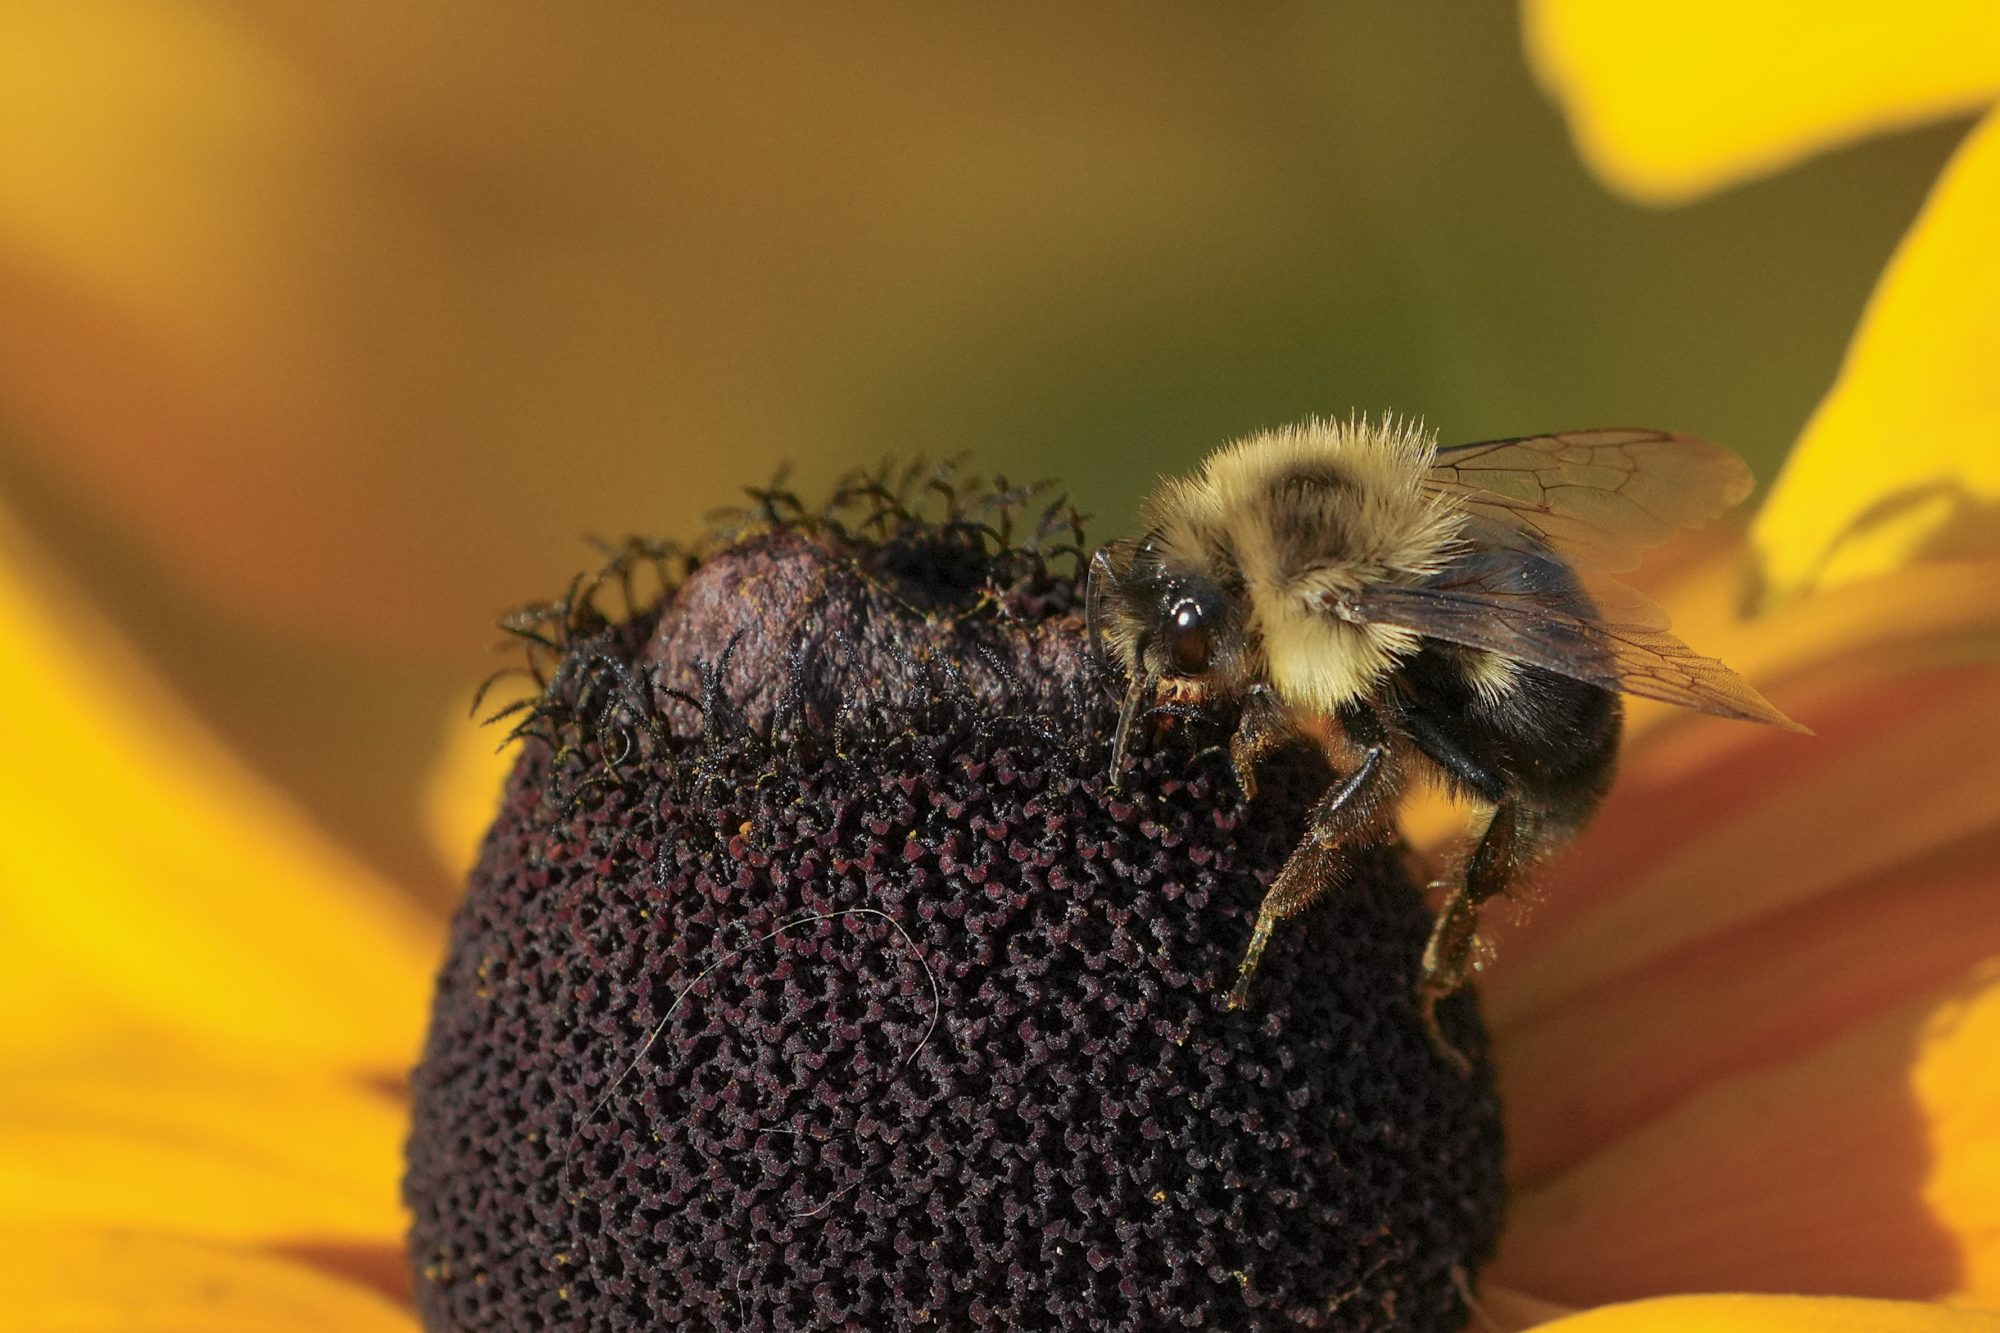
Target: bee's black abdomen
column 1549, row 739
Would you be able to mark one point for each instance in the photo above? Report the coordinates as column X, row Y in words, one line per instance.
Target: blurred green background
column 335, row 329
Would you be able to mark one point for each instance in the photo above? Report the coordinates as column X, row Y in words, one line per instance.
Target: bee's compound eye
column 1188, row 639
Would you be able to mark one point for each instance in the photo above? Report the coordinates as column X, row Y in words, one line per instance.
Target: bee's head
column 1176, row 626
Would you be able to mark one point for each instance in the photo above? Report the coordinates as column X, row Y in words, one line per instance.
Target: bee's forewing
column 1525, row 605
column 1596, row 496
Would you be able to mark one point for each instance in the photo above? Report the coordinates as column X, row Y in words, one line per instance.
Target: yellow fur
column 1490, row 674
column 1401, row 530
column 1317, row 664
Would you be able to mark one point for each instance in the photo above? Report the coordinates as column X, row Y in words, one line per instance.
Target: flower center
column 812, row 978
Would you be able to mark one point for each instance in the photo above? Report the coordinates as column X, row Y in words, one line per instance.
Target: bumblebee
column 1407, row 608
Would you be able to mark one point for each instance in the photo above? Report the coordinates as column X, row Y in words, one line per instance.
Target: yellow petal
column 1773, row 1314
column 1903, row 457
column 149, row 883
column 463, row 789
column 1956, row 1086
column 165, row 1141
column 1866, row 1166
column 1669, row 101
column 77, row 1280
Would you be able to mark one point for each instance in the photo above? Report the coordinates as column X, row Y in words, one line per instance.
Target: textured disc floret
column 812, row 977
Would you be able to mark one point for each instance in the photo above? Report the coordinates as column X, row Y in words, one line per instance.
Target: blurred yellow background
column 332, row 330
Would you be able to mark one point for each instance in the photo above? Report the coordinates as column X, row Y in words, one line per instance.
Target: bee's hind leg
column 1504, row 850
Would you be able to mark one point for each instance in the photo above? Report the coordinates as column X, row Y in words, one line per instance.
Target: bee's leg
column 1352, row 808
column 1448, row 954
column 1262, row 727
column 1504, row 848
column 1311, row 869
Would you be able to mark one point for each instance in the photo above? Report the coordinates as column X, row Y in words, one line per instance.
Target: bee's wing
column 1596, row 496
column 1524, row 606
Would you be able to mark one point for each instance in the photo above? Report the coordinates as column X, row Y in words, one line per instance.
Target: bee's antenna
column 1128, row 713
column 1102, row 576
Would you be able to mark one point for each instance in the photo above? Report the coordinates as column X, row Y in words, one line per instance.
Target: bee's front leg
column 1262, row 728
column 1311, row 869
column 1351, row 810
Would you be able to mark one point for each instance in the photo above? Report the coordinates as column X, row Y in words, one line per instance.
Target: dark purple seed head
column 812, row 978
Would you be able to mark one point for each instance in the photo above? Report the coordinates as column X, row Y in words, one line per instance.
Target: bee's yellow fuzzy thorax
column 1306, row 512
column 1381, row 525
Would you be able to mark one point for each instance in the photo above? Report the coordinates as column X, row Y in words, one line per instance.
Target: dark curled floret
column 956, row 546
column 811, row 978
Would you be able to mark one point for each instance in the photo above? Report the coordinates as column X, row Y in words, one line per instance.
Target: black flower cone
column 812, row 978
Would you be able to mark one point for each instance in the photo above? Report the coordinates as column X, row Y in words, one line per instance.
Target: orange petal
column 1865, row 1167
column 149, row 1140
column 1577, row 1077
column 1892, row 777
column 1899, row 460
column 1670, row 101
column 1773, row 1314
column 79, row 1280
column 1499, row 1309
column 1833, row 659
column 1813, row 648
column 1808, row 656
column 149, row 883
